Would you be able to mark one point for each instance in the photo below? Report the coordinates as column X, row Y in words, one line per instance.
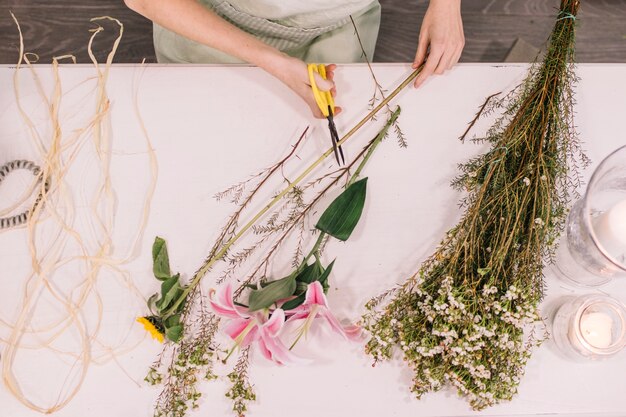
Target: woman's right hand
column 294, row 73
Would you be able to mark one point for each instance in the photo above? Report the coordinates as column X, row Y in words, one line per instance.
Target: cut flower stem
column 220, row 254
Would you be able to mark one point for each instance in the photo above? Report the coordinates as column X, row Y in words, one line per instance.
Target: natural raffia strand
column 68, row 334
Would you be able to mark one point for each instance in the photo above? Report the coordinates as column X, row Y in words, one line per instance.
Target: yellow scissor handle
column 322, row 98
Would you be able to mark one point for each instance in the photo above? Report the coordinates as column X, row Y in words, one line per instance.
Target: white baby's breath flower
column 526, row 181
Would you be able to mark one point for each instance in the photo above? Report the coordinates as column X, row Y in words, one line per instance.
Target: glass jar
column 594, row 249
column 590, row 327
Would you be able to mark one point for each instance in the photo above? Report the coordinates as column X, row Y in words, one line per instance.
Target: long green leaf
column 323, row 279
column 170, row 291
column 160, row 259
column 273, row 292
column 343, row 214
column 310, row 273
column 291, row 304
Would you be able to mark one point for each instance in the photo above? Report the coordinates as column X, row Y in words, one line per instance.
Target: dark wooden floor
column 57, row 27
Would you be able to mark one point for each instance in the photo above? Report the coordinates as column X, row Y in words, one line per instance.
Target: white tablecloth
column 212, row 127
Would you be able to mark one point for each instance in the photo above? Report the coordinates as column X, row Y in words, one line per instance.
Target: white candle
column 597, row 329
column 610, row 230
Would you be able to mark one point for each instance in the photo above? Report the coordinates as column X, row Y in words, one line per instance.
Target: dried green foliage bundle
column 461, row 319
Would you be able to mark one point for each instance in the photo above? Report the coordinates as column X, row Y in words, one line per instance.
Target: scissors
column 325, row 102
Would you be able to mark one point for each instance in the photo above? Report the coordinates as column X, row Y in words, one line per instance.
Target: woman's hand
column 294, row 73
column 191, row 19
column 441, row 36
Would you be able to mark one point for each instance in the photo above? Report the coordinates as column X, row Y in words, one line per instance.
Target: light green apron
column 333, row 41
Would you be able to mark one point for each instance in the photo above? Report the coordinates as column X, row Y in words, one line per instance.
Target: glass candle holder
column 590, row 327
column 594, row 249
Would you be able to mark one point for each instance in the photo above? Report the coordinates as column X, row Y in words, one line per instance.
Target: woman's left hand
column 441, row 36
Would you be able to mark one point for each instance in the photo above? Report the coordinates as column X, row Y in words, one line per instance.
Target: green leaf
column 274, row 291
column 152, row 302
column 302, row 286
column 174, row 333
column 172, row 321
column 310, row 273
column 291, row 304
column 324, row 278
column 160, row 259
column 170, row 291
column 343, row 214
column 483, row 271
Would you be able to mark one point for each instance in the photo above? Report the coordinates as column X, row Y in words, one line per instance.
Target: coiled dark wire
column 5, row 170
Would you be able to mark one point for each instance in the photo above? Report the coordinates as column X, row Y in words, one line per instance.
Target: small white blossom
column 526, row 181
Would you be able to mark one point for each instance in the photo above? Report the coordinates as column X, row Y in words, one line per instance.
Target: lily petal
column 354, row 333
column 275, row 323
column 265, row 351
column 222, row 303
column 351, row 332
column 315, row 294
column 299, row 315
column 279, row 352
column 235, row 328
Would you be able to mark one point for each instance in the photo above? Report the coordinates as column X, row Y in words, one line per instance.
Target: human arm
column 441, row 39
column 194, row 21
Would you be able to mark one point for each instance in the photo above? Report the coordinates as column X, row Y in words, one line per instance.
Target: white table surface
column 213, row 126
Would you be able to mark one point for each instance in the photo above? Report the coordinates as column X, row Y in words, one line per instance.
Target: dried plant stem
column 220, row 254
column 464, row 318
column 362, row 158
column 478, row 115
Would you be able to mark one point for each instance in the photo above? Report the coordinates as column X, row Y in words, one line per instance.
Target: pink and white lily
column 316, row 305
column 247, row 328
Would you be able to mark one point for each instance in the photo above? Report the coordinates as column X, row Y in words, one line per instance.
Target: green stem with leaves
column 220, row 254
column 357, row 173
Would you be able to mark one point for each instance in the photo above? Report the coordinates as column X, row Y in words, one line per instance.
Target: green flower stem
column 219, row 255
column 372, row 147
column 375, row 142
column 314, row 252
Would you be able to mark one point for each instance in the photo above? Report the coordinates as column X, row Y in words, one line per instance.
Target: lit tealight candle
column 591, row 326
column 597, row 329
column 610, row 230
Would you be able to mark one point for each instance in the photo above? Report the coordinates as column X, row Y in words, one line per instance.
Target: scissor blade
column 333, row 133
column 336, row 140
column 335, row 137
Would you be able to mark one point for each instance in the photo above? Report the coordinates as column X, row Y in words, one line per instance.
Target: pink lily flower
column 246, row 328
column 315, row 304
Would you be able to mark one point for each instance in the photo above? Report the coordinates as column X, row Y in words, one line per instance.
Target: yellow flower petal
column 151, row 328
